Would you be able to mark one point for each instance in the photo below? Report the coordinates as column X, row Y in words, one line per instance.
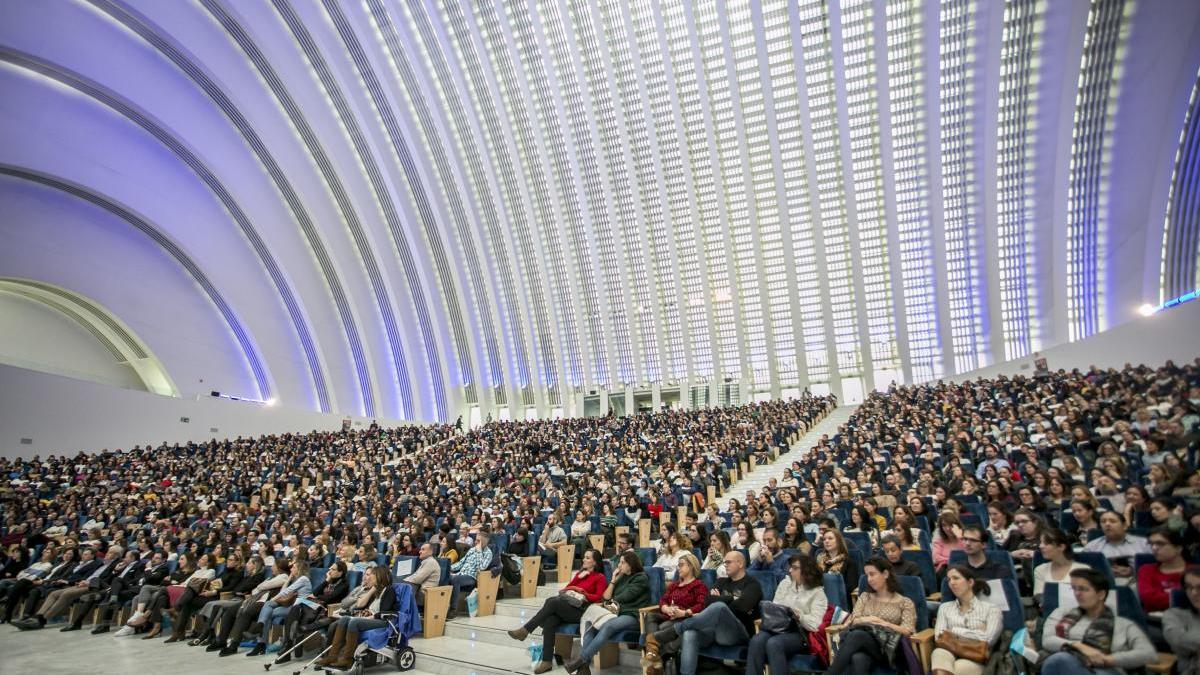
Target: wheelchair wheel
column 406, row 658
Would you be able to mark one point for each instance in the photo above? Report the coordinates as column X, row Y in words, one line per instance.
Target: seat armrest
column 934, row 597
column 1164, row 664
column 923, row 643
column 642, row 612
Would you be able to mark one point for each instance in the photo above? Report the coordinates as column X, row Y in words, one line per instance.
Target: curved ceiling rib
column 254, row 360
column 441, row 79
column 534, row 206
column 145, row 31
column 336, row 188
column 476, row 299
column 125, row 108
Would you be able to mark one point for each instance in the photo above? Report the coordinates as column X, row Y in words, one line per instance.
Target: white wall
column 34, row 336
column 60, row 414
column 1169, row 335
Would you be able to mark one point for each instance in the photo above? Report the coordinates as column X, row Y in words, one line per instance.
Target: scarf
column 1099, row 633
column 831, row 563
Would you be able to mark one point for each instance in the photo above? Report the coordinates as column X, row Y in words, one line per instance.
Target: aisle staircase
column 757, row 479
column 481, row 646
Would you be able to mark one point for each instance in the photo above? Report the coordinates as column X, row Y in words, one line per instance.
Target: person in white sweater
column 1091, row 639
column 803, row 591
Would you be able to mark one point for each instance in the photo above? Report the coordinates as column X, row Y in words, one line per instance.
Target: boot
column 349, row 644
column 335, row 647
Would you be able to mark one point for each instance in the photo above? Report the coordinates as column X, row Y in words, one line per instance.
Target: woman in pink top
column 947, row 538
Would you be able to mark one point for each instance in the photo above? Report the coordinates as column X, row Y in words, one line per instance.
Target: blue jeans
column 717, row 623
column 459, row 583
column 1066, row 663
column 265, row 615
column 774, row 649
column 596, row 638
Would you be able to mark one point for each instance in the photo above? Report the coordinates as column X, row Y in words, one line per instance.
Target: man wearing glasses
column 975, row 539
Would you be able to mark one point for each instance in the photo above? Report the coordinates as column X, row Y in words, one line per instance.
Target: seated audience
column 685, row 596
column 1118, row 546
column 627, row 593
column 727, row 620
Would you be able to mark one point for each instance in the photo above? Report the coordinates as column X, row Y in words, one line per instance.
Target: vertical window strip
column 818, row 76
column 719, row 257
column 911, row 179
column 546, row 223
column 789, row 131
column 510, row 194
column 624, row 184
column 1014, row 175
column 702, row 185
column 736, row 192
column 867, row 173
column 552, row 132
column 1181, row 241
column 959, row 197
column 1091, row 149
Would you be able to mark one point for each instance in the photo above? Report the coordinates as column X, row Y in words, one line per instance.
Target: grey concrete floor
column 50, row 652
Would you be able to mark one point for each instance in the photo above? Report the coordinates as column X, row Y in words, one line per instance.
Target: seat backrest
column 767, row 580
column 444, row 578
column 923, row 559
column 657, row 583
column 914, row 590
column 860, row 540
column 317, row 575
column 709, row 577
column 648, row 554
column 1096, row 561
column 835, row 590
column 1140, row 559
column 354, row 578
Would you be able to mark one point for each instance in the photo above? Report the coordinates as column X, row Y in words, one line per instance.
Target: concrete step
column 493, row 630
column 459, row 656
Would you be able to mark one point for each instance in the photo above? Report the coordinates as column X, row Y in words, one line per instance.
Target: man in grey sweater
column 427, row 574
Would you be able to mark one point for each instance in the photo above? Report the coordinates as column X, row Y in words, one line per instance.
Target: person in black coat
column 346, row 630
column 192, row 599
column 121, row 588
column 68, row 575
column 251, row 575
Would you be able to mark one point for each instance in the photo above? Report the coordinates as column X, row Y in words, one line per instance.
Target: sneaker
column 125, row 630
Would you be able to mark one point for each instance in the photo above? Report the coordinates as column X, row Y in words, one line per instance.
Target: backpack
column 510, row 568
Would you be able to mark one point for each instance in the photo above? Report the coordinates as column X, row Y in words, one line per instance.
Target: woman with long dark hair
column 881, row 617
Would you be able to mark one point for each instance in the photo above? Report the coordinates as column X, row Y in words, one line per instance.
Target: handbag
column 776, row 618
column 595, row 616
column 963, row 648
column 574, row 598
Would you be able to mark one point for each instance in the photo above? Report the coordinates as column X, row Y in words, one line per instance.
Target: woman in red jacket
column 683, row 598
column 586, row 587
column 1156, row 580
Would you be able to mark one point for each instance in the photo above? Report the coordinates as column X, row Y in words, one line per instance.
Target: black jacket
column 387, row 603
column 246, row 583
column 328, row 593
column 78, row 573
column 155, row 576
